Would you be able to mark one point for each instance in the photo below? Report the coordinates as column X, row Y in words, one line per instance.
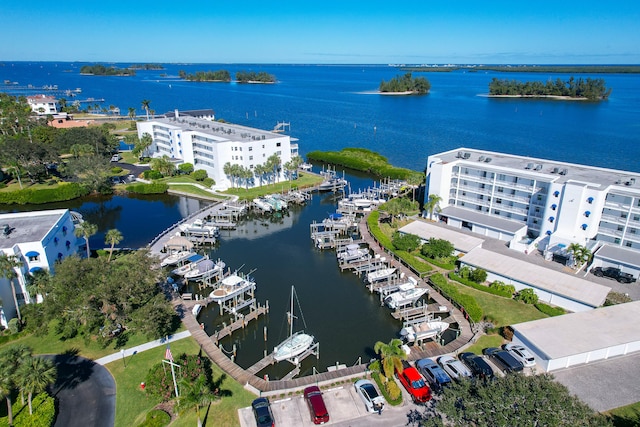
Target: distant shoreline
column 558, row 97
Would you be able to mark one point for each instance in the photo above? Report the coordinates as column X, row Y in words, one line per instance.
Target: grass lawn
column 51, row 344
column 625, row 416
column 499, row 310
column 132, row 403
column 198, row 192
column 485, row 341
column 304, row 180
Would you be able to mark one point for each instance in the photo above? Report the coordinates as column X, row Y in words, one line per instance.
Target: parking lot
column 343, row 404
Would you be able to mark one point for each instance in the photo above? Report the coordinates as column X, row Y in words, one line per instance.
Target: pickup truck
column 414, row 384
column 613, row 273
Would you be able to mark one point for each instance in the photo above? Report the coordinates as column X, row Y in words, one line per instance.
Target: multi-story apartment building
column 209, row 145
column 529, row 201
column 37, row 240
column 43, row 104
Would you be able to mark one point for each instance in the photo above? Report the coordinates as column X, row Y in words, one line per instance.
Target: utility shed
column 553, row 287
column 578, row 338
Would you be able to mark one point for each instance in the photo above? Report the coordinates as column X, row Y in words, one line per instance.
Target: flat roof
column 556, row 282
column 576, row 333
column 549, row 170
column 28, row 226
column 619, row 254
column 490, row 221
column 225, row 131
column 461, row 242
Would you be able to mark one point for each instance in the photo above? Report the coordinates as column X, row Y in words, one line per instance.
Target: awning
column 34, row 269
column 32, row 254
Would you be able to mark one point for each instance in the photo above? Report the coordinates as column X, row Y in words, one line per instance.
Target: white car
column 369, row 395
column 521, row 353
column 454, row 368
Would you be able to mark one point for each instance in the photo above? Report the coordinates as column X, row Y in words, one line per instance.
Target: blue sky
column 322, row 32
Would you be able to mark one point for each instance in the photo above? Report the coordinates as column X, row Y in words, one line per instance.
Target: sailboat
column 297, row 343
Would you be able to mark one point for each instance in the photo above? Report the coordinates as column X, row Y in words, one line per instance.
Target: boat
column 305, row 166
column 297, row 343
column 262, row 204
column 199, row 228
column 276, row 203
column 381, row 274
column 407, row 294
column 352, row 253
column 423, row 331
column 188, row 264
column 332, row 182
column 175, row 258
column 196, row 310
column 206, row 268
column 230, row 287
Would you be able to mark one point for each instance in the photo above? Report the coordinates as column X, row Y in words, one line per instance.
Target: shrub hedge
column 377, row 377
column 495, row 290
column 466, row 301
column 548, row 310
column 361, row 159
column 153, row 188
column 156, row 418
column 60, row 193
column 44, row 413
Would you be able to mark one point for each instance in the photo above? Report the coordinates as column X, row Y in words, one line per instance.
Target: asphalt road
column 86, row 393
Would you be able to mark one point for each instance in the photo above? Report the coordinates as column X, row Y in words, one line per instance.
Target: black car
column 504, row 359
column 262, row 412
column 613, row 273
column 479, row 367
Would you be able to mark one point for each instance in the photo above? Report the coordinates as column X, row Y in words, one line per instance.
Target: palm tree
column 391, row 356
column 86, row 229
column 38, row 283
column 6, row 387
column 580, row 253
column 132, row 113
column 113, row 237
column 8, row 265
column 145, row 106
column 10, row 360
column 433, row 204
column 34, row 375
column 415, row 180
column 194, row 395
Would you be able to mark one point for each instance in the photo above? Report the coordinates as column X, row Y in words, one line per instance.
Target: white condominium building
column 209, row 145
column 530, row 201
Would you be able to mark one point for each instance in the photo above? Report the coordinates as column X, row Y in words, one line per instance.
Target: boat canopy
column 205, row 265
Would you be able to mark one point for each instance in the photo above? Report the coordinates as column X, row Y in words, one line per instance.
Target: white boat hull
column 423, row 331
column 403, row 298
column 293, row 346
column 381, row 274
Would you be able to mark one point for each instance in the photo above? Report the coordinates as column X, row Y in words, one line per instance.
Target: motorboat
column 175, row 258
column 297, row 343
column 332, row 182
column 232, row 286
column 305, row 166
column 352, row 253
column 276, row 202
column 424, row 330
column 199, row 228
column 407, row 294
column 262, row 204
column 205, row 268
column 381, row 274
column 188, row 264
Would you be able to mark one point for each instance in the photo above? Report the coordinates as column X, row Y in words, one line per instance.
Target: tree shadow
column 72, row 370
column 216, row 384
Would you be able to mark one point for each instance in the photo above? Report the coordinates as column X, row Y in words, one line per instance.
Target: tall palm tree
column 38, row 283
column 194, row 395
column 10, row 359
column 8, row 265
column 580, row 253
column 34, row 375
column 113, row 237
column 6, row 388
column 145, row 106
column 86, row 229
column 415, row 180
column 391, row 356
column 433, row 204
column 132, row 113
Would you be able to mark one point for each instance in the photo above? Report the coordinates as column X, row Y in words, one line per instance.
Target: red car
column 414, row 384
column 317, row 408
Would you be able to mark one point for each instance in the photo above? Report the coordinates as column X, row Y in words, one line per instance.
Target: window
column 278, row 144
column 589, row 200
column 250, row 157
column 250, row 148
column 628, row 244
column 620, row 228
column 250, row 166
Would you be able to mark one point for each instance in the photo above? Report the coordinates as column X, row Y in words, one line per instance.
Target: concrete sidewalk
column 142, row 347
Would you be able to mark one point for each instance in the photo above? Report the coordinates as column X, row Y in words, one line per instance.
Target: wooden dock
column 241, row 323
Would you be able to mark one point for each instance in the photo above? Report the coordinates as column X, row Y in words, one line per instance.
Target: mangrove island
column 406, row 84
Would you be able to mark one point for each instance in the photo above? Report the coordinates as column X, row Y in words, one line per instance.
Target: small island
column 405, row 85
column 253, row 77
column 146, row 67
column 572, row 89
column 102, row 70
column 206, row 76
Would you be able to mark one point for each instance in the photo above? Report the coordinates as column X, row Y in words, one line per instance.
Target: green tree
column 112, row 238
column 39, row 283
column 8, row 266
column 35, row 375
column 186, row 168
column 86, row 229
column 132, row 113
column 194, row 394
column 580, row 253
column 405, row 241
column 10, row 361
column 163, row 165
column 527, row 296
column 437, row 248
column 273, row 164
column 432, row 204
column 391, row 356
column 478, row 275
column 145, row 106
column 141, row 145
column 509, row 401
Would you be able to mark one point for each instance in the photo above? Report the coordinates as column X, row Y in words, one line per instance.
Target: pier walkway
column 263, row 386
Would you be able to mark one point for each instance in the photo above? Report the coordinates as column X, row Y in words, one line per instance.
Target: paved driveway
column 86, row 393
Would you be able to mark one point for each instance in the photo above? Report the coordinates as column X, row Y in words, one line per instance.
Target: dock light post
column 124, row 362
